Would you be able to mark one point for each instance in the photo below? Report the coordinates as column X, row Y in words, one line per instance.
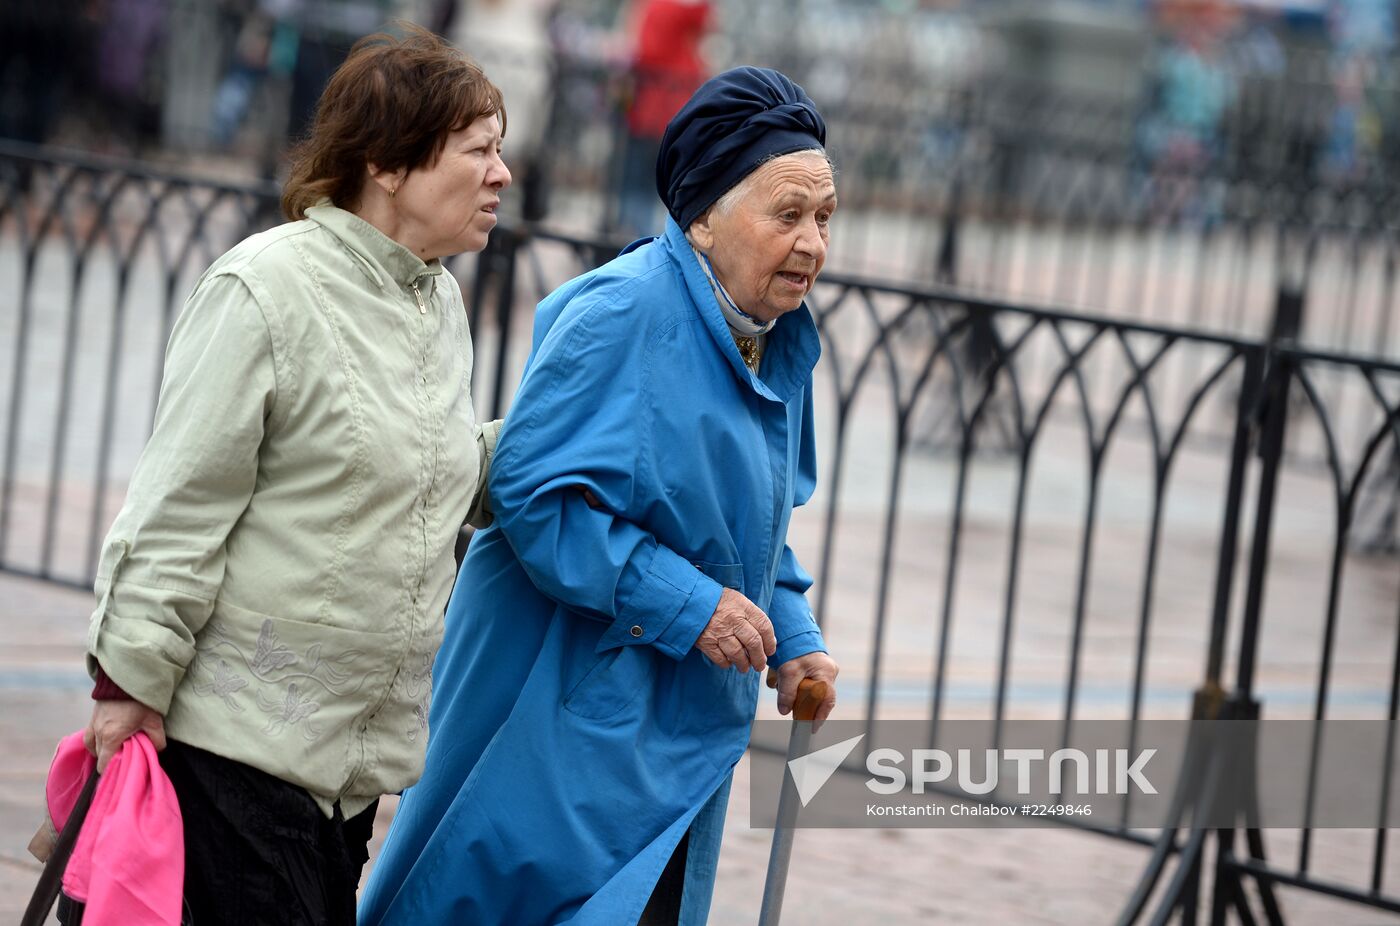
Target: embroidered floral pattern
column 287, row 685
column 295, row 708
column 271, row 655
column 224, row 686
column 420, row 713
column 336, row 669
column 418, row 686
column 418, row 681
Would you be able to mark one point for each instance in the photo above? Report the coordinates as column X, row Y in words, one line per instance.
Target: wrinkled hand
column 738, row 634
column 817, row 666
column 114, row 722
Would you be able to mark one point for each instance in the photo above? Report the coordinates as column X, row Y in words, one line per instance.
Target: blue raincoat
column 576, row 734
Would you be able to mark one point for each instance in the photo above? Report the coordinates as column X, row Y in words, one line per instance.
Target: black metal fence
column 1024, row 511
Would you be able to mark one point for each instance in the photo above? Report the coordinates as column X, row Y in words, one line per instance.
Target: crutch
column 810, row 695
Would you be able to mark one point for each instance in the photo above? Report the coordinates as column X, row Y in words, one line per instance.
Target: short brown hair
column 392, row 103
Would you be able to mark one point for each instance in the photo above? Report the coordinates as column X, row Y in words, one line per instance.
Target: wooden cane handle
column 810, row 695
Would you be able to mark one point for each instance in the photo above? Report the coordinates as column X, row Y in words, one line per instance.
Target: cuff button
column 637, row 630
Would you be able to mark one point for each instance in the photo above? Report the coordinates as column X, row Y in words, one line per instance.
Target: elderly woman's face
column 450, row 207
column 768, row 250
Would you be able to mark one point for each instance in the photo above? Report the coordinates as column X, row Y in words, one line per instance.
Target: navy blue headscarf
column 734, row 122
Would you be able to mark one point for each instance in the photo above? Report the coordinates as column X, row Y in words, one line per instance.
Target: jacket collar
column 792, row 347
column 381, row 257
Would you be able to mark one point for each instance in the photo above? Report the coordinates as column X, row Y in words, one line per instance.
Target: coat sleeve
column 793, row 624
column 163, row 560
column 580, row 421
column 481, row 512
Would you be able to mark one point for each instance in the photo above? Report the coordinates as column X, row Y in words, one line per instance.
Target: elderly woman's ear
column 701, row 233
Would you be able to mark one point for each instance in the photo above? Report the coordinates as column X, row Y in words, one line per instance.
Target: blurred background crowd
column 985, row 100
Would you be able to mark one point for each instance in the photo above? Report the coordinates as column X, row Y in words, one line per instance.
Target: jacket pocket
column 618, row 678
column 286, row 677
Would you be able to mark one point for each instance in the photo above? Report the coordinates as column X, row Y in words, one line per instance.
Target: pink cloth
column 128, row 865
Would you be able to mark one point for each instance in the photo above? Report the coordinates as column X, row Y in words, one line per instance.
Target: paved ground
column 1040, row 877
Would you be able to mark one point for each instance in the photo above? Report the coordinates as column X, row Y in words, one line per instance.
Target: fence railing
column 972, row 175
column 1024, row 511
column 1026, row 197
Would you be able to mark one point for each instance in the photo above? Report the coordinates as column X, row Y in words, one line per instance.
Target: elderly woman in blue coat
column 593, row 693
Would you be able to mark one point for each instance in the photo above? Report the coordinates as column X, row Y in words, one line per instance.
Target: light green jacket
column 275, row 582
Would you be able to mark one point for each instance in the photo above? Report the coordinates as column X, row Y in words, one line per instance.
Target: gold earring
column 392, row 192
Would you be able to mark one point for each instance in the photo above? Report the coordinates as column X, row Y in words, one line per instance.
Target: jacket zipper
column 412, row 631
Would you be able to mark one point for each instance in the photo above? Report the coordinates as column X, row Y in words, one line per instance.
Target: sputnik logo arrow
column 812, row 771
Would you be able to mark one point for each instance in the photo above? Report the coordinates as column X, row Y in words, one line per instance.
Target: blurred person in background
column 261, row 49
column 511, row 39
column 665, row 69
column 293, row 46
column 272, row 590
column 45, row 54
column 325, row 31
column 593, row 694
column 129, row 67
column 584, row 48
column 1363, row 44
column 1194, row 86
column 1191, row 90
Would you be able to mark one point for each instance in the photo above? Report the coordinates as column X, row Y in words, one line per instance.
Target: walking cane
column 810, row 695
column 51, row 878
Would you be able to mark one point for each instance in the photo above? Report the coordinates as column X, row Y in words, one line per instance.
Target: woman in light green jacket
column 272, row 591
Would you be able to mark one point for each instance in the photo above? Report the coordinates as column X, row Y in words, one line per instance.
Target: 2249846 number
column 1056, row 810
